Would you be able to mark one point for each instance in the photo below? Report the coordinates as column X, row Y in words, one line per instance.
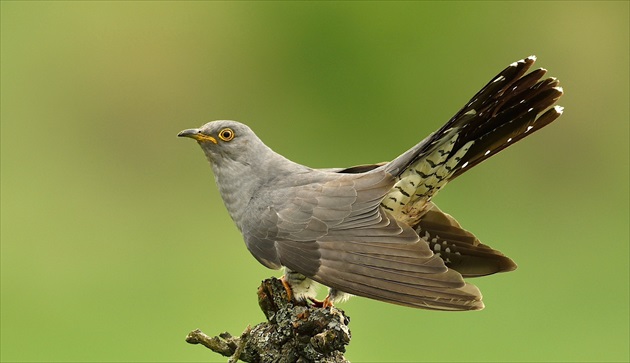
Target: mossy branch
column 294, row 332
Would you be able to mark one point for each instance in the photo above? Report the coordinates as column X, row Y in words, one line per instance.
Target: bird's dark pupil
column 226, row 134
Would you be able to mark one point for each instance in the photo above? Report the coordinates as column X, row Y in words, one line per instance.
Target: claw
column 287, row 287
column 316, row 303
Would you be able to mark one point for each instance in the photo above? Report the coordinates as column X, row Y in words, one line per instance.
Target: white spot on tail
column 509, row 140
column 464, row 165
column 559, row 109
column 529, row 128
column 486, row 153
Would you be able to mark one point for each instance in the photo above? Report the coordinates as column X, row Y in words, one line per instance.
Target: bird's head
column 221, row 140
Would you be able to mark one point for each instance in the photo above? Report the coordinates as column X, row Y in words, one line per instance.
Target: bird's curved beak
column 197, row 135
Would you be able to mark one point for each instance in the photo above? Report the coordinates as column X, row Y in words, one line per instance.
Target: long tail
column 509, row 108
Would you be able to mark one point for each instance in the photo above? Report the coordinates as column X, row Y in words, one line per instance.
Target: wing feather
column 461, row 250
column 351, row 244
column 467, row 297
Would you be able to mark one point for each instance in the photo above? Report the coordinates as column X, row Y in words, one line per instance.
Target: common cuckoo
column 372, row 230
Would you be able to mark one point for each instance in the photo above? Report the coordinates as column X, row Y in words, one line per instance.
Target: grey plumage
column 372, row 230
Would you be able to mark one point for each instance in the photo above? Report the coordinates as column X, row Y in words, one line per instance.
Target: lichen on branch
column 294, row 332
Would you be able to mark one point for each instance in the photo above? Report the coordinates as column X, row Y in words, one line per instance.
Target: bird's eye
column 226, row 134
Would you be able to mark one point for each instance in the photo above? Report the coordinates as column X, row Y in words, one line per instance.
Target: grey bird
column 372, row 230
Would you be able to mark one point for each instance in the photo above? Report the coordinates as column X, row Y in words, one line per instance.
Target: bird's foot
column 326, row 303
column 316, row 303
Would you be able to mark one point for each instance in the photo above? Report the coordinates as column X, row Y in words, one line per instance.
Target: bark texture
column 293, row 332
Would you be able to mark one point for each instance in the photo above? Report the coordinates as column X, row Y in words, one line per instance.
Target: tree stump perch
column 294, row 332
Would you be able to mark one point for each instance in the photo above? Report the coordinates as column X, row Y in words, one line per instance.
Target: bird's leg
column 298, row 286
column 287, row 287
column 334, row 296
column 328, row 302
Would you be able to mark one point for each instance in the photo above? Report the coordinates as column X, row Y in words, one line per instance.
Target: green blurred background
column 115, row 243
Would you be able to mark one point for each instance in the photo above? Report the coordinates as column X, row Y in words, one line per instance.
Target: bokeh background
column 115, row 243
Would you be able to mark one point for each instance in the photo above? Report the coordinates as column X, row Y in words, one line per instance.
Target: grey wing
column 336, row 233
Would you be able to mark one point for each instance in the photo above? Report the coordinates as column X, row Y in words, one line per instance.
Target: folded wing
column 336, row 233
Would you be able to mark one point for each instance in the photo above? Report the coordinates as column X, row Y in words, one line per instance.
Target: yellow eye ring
column 226, row 134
